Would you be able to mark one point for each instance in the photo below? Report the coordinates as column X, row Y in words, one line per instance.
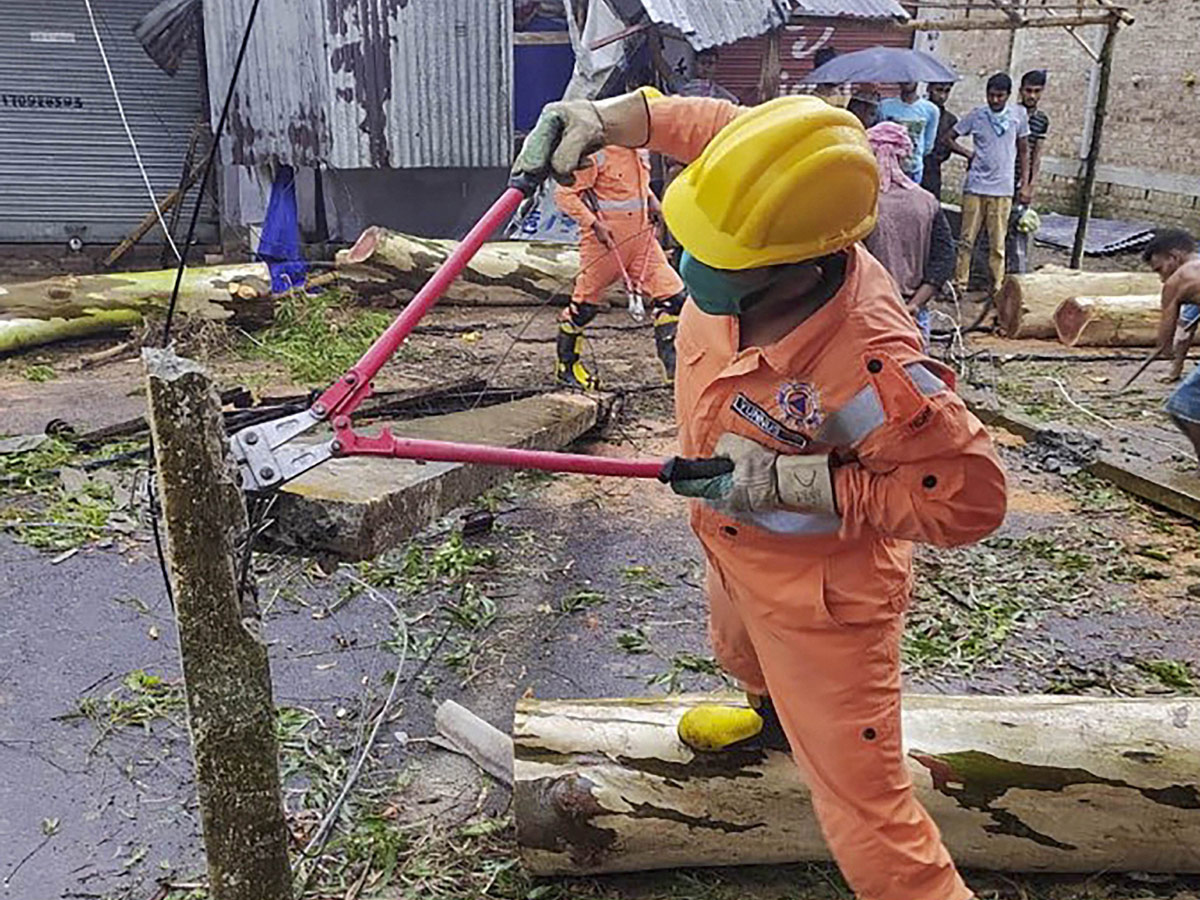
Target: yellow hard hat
column 789, row 180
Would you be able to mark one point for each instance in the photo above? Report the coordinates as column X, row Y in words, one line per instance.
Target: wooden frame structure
column 1012, row 15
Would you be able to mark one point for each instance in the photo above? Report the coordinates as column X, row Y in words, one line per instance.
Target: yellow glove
column 764, row 480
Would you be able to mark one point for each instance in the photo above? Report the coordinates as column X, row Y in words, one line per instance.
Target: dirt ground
column 585, row 587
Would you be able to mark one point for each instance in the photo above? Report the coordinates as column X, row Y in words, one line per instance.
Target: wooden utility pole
column 771, row 70
column 231, row 714
column 1087, row 189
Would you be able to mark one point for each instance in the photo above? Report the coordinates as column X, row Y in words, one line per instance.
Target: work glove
column 763, row 480
column 569, row 130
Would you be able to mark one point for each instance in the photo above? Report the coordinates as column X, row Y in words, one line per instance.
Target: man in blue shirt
column 920, row 117
column 998, row 168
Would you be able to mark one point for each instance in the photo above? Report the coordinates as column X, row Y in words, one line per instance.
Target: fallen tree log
column 1026, row 304
column 33, row 313
column 502, row 273
column 214, row 292
column 1130, row 321
column 21, row 334
column 1019, row 783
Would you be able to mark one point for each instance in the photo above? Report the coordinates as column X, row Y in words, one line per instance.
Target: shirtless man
column 1172, row 254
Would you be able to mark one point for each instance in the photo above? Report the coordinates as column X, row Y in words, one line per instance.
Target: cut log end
column 1122, row 321
column 1069, row 320
column 1008, row 308
column 364, row 247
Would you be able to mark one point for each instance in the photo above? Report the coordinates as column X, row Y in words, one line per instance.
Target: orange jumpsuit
column 620, row 180
column 809, row 608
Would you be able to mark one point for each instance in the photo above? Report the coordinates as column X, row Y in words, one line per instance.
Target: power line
column 128, row 131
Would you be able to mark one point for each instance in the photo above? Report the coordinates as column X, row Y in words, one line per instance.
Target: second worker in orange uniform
column 799, row 363
column 615, row 209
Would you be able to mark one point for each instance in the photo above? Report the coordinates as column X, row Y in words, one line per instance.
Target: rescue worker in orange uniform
column 799, row 363
column 615, row 208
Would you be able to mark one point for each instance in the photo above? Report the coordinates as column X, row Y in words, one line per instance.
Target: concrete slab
column 357, row 508
column 1175, row 491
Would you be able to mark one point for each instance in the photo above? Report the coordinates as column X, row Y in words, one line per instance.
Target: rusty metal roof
column 850, row 9
column 366, row 83
column 711, row 23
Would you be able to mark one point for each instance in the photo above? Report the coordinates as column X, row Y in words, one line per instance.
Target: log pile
column 381, row 263
column 1027, row 303
column 1130, row 321
column 1057, row 784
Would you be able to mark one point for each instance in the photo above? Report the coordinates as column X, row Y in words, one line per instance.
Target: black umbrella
column 883, row 65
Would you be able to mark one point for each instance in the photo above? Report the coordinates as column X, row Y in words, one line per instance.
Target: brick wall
column 1151, row 129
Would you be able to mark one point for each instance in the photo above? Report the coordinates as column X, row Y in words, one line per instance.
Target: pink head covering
column 891, row 143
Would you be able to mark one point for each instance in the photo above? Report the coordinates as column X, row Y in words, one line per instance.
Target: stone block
column 358, row 507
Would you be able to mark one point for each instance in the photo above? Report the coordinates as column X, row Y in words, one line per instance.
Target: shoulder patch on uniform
column 766, row 423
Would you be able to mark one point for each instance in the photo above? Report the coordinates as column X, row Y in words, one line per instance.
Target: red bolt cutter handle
column 667, row 471
column 354, row 387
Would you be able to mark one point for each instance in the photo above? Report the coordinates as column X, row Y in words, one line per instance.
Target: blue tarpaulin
column 279, row 246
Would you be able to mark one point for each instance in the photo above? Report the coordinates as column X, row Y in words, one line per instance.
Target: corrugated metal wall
column 366, row 83
column 740, row 63
column 66, row 168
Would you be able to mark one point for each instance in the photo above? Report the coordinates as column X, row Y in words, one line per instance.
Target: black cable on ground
column 187, row 244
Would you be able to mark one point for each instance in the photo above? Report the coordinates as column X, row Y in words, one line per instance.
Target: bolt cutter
column 268, row 456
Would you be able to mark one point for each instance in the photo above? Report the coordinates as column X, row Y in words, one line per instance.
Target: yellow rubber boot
column 569, row 369
column 713, row 728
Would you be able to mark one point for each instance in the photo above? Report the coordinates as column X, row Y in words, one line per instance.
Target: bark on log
column 33, row 313
column 1130, row 321
column 231, row 715
column 1027, row 302
column 502, row 273
column 214, row 292
column 21, row 334
column 1063, row 784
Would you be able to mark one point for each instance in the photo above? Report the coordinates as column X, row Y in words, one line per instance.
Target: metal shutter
column 66, row 168
column 740, row 63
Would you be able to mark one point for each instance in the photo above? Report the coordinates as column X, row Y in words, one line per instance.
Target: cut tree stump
column 231, row 714
column 502, row 273
column 1017, row 783
column 1027, row 303
column 1130, row 321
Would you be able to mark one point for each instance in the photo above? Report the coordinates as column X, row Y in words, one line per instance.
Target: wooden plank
column 1000, row 24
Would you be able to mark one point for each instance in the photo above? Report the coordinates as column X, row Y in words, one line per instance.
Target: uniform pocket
column 870, row 586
